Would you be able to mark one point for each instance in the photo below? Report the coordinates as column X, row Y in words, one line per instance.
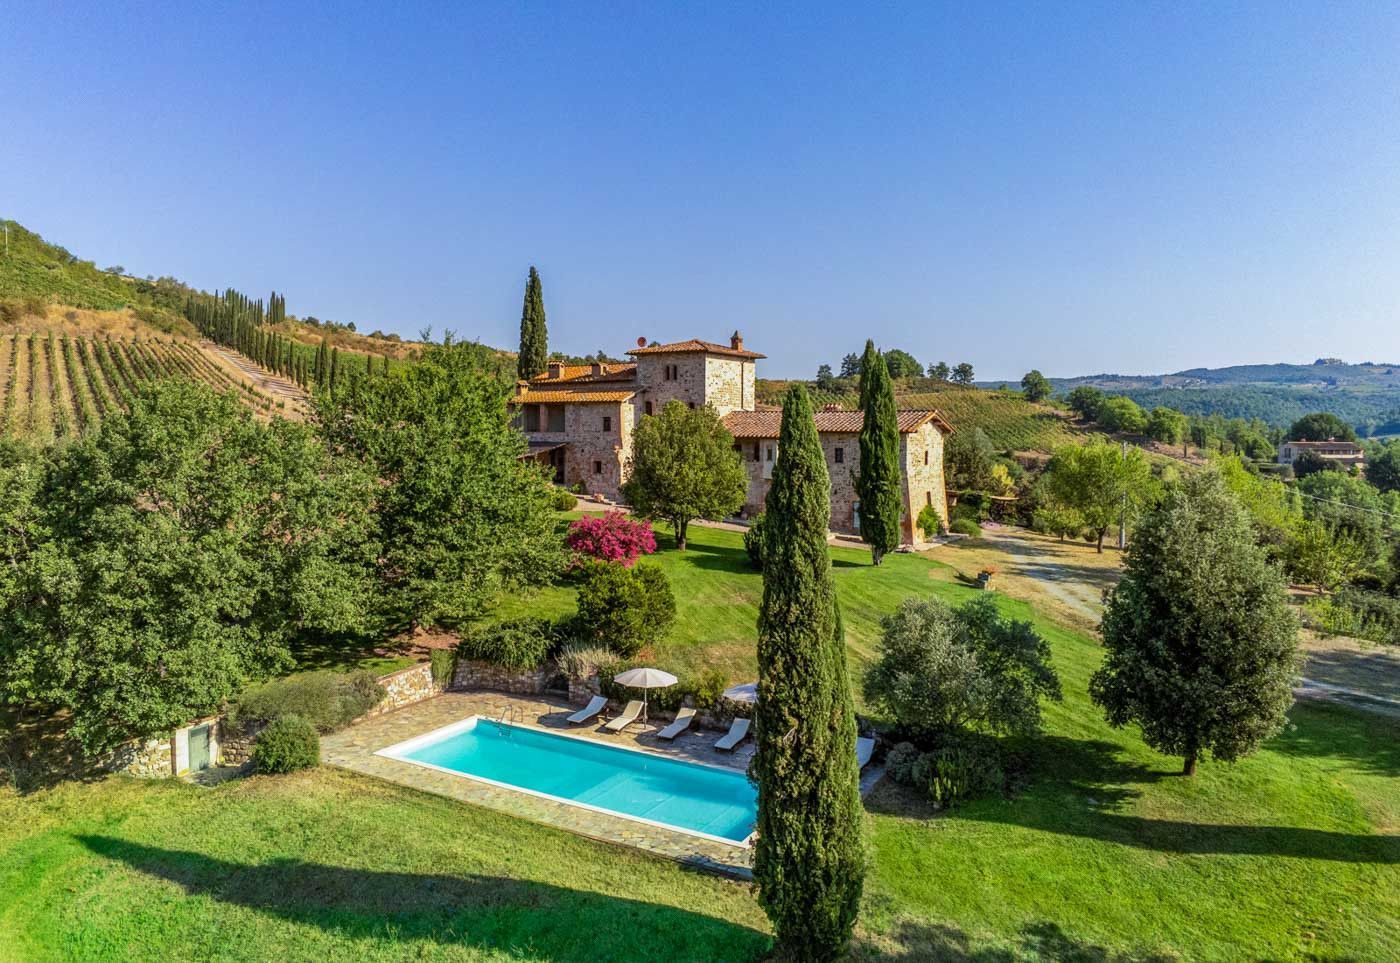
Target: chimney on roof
column 555, row 369
column 736, row 341
column 832, row 407
column 599, row 368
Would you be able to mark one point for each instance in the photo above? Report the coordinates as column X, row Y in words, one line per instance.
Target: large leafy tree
column 1121, row 413
column 963, row 373
column 970, row 461
column 461, row 518
column 878, row 483
column 1167, row 425
column 534, row 338
column 939, row 371
column 808, row 861
column 1383, row 467
column 1202, row 646
column 1321, row 426
column 1085, row 401
column 943, row 669
column 1102, row 482
column 683, row 467
column 175, row 556
column 1035, row 386
column 902, row 364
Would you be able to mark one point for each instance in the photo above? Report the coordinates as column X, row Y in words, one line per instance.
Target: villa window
column 756, row 455
column 840, row 456
column 532, row 417
column 925, row 458
column 556, row 418
column 607, row 423
column 597, row 468
column 770, row 452
column 648, row 408
column 692, row 405
column 928, row 498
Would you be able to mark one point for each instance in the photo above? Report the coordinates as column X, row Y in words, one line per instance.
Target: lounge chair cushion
column 595, row 706
column 735, row 735
column 683, row 720
column 629, row 716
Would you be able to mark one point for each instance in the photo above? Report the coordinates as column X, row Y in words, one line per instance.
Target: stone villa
column 1346, row 453
column 579, row 420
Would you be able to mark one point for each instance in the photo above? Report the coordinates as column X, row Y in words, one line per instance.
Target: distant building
column 579, row 419
column 1346, row 453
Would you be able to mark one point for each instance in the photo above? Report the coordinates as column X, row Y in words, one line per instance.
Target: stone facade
column 482, row 675
column 581, row 419
column 149, row 758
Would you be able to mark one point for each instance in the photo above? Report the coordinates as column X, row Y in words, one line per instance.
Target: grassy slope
column 1011, row 422
column 1107, row 845
column 1291, row 853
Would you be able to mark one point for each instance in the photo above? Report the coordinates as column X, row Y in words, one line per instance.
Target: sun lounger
column 736, row 734
column 629, row 716
column 865, row 748
column 683, row 720
column 595, row 706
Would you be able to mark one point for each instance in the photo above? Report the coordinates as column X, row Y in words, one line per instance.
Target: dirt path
column 274, row 386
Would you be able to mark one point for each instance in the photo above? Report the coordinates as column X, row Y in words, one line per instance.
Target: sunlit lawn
column 1106, row 853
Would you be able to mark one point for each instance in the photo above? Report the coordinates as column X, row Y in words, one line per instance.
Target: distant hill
column 1366, row 395
column 1011, row 422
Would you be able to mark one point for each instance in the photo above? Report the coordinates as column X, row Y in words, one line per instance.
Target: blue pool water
column 702, row 799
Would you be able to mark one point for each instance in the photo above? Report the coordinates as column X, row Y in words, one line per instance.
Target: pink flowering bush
column 611, row 537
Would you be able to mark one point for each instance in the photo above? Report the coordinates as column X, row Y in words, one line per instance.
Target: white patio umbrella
column 745, row 692
column 645, row 679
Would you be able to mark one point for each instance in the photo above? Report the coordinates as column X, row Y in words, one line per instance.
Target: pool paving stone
column 354, row 749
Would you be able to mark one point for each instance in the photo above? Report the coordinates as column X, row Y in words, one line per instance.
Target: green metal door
column 199, row 748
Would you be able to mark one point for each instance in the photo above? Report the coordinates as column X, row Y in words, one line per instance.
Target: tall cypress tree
column 534, row 339
column 808, row 861
column 323, row 362
column 879, row 481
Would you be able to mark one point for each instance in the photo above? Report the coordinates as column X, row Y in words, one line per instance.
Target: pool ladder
column 510, row 712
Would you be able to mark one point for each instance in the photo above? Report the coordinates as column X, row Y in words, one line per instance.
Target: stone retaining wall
column 152, row 758
column 471, row 674
column 404, row 688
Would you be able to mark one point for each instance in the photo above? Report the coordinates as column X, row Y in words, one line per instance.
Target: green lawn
column 1106, row 854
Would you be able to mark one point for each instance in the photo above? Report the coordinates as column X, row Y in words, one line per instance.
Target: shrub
column 957, row 772
column 707, row 688
column 625, row 609
column 965, row 526
column 564, row 501
column 581, row 661
column 519, row 644
column 326, row 700
column 611, row 537
column 1356, row 613
column 899, row 763
column 286, row 745
column 444, row 662
column 930, row 522
column 753, row 541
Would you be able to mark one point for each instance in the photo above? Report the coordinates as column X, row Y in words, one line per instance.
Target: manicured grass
column 1105, row 853
column 325, row 865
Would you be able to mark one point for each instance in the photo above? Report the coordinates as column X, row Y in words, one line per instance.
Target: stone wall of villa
column 482, row 675
column 923, row 478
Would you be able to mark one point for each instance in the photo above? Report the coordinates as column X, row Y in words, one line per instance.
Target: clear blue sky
column 1079, row 187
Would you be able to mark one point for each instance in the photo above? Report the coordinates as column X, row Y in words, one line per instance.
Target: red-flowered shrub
column 612, row 537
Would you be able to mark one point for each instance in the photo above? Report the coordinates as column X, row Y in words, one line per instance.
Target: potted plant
column 985, row 576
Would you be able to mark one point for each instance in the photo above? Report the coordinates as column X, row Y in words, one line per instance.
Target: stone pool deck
column 354, row 749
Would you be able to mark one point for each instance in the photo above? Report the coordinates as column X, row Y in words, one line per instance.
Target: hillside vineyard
column 54, row 386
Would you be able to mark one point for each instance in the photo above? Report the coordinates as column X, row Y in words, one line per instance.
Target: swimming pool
column 704, row 800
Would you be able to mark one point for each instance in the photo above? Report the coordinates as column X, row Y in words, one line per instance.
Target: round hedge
column 286, row 745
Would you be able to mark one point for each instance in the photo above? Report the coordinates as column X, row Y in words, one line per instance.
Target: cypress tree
column 385, row 370
column 335, row 369
column 534, row 340
column 878, row 484
column 323, row 362
column 808, row 862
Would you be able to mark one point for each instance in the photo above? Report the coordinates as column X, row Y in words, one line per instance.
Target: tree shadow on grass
column 516, row 917
column 719, row 558
column 920, row 942
column 1367, row 740
column 1079, row 786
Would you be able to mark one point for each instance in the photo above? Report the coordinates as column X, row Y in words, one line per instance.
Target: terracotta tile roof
column 570, row 396
column 765, row 424
column 583, row 373
column 695, row 345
